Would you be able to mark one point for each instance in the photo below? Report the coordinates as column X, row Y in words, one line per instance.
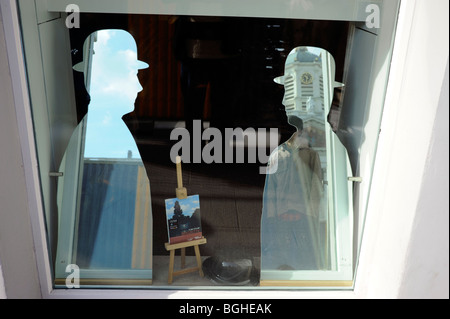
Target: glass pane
column 223, row 80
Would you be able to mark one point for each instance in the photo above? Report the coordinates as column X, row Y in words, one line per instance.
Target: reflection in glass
column 297, row 217
column 104, row 197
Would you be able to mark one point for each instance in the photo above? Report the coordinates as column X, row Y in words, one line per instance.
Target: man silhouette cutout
column 294, row 198
column 108, row 224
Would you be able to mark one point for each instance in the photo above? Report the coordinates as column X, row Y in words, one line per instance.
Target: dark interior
column 233, row 90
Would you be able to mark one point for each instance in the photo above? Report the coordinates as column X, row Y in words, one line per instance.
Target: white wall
column 2, row 284
column 17, row 253
column 427, row 271
column 394, row 259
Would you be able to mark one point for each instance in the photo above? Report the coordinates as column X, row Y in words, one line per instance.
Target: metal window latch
column 355, row 179
column 56, row 174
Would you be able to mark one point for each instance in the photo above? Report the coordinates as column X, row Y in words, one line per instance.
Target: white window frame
column 398, row 123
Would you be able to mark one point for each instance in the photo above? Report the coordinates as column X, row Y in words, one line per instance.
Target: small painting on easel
column 183, row 219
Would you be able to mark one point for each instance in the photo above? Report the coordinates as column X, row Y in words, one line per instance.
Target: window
column 233, row 90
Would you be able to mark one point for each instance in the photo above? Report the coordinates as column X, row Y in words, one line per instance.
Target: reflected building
column 297, row 221
column 306, row 69
column 304, row 94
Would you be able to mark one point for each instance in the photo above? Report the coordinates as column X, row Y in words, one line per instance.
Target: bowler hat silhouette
column 80, row 67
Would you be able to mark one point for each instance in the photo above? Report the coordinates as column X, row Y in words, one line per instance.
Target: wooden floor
column 230, row 199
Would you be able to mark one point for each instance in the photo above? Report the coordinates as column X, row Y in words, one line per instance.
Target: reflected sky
column 188, row 205
column 114, row 88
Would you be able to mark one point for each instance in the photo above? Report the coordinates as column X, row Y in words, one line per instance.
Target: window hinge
column 355, row 179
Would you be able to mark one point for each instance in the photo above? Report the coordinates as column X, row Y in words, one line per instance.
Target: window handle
column 355, row 179
column 56, row 174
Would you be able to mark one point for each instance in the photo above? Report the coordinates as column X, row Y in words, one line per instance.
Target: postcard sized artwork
column 183, row 219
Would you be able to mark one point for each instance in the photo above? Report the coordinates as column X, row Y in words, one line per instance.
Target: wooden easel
column 181, row 193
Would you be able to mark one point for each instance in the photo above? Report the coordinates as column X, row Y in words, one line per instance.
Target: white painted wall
column 2, row 284
column 2, row 65
column 429, row 246
column 17, row 252
column 392, row 258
